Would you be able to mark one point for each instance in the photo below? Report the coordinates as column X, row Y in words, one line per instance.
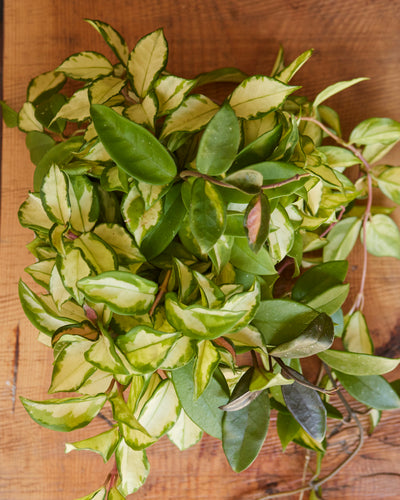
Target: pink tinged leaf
column 257, row 221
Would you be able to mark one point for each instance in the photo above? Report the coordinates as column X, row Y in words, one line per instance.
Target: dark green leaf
column 132, row 147
column 47, row 110
column 287, row 428
column 371, row 390
column 38, row 144
column 10, row 116
column 307, row 408
column 219, row 143
column 244, row 430
column 204, row 411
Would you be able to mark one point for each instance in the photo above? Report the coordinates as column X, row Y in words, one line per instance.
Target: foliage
column 162, row 222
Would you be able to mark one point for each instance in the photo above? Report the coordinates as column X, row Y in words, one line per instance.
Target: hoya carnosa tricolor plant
column 162, row 221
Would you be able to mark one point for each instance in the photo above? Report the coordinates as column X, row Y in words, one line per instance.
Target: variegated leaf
column 145, row 112
column 123, row 292
column 146, row 348
column 65, row 414
column 54, row 196
column 147, row 60
column 103, row 89
column 192, row 115
column 96, row 252
column 58, row 291
column 184, row 433
column 258, row 95
column 170, row 91
column 206, row 362
column 102, row 354
column 71, row 369
column 180, row 354
column 77, row 109
column 73, row 267
column 122, row 243
column 41, row 271
column 40, row 315
column 27, row 121
column 42, row 84
column 113, row 39
column 148, row 220
column 200, row 322
column 84, row 202
column 104, row 444
column 132, row 207
column 133, row 468
column 86, row 65
column 31, row 214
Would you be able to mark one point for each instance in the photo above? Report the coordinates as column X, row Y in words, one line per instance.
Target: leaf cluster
column 162, row 222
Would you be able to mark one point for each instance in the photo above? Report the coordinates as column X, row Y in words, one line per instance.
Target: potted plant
column 163, row 222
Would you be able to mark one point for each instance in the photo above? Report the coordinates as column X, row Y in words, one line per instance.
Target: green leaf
column 27, row 120
column 339, row 158
column 341, row 239
column 48, row 109
column 112, row 38
column 132, row 147
column 258, row 95
column 356, row 337
column 147, row 60
column 207, row 214
column 200, row 322
column 85, row 65
column 219, row 143
column 10, row 116
column 389, row 183
column 123, row 292
column 65, row 414
column 357, row 363
column 259, row 149
column 220, row 75
column 180, row 353
column 192, row 115
column 184, row 432
column 206, row 362
column 96, row 495
column 287, row 428
column 146, row 348
column 376, row 130
column 60, row 154
column 320, row 287
column 334, row 89
column 38, row 313
column 71, row 369
column 371, row 390
column 211, row 294
column 383, row 236
column 244, row 301
column 307, row 408
column 317, row 336
column 244, row 430
column 286, row 74
column 244, row 258
column 104, row 444
column 133, row 468
column 42, row 85
column 203, row 411
column 38, row 144
column 170, row 91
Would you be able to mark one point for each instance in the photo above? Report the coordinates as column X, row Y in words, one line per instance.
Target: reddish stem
column 161, row 292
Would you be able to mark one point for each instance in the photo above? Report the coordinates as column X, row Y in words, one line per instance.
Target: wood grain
column 358, row 38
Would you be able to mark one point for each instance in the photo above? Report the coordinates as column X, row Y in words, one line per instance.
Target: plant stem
column 194, row 173
column 339, row 217
column 359, row 300
column 161, row 292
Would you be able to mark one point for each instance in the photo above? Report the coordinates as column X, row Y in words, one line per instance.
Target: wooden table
column 351, row 39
